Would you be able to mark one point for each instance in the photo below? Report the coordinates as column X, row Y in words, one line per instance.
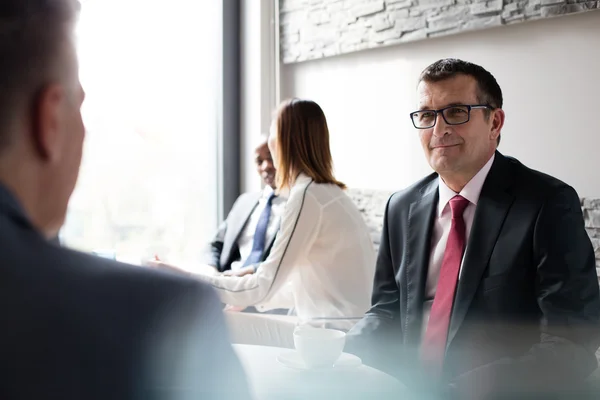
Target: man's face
column 457, row 149
column 264, row 165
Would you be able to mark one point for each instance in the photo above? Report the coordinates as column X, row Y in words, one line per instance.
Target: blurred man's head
column 264, row 164
column 41, row 129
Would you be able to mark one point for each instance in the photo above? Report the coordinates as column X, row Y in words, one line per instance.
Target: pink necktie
column 436, row 335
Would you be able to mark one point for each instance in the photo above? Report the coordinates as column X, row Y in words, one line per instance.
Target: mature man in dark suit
column 76, row 326
column 486, row 280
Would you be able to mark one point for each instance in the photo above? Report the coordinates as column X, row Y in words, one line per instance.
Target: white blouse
column 323, row 256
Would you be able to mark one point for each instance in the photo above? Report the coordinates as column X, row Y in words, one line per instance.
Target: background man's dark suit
column 527, row 305
column 224, row 249
column 81, row 327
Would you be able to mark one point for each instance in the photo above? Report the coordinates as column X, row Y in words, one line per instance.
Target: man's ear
column 47, row 119
column 497, row 123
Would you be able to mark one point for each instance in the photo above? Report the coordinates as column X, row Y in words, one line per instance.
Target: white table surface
column 270, row 380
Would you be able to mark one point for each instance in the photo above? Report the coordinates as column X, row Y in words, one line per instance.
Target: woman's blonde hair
column 303, row 143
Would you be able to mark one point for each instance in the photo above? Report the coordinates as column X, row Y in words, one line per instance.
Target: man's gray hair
column 32, row 40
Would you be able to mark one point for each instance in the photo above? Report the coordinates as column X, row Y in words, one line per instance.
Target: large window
column 148, row 182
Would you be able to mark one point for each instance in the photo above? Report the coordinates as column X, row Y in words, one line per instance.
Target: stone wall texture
column 591, row 215
column 311, row 29
column 372, row 203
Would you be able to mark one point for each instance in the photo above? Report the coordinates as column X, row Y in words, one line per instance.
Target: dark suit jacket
column 75, row 326
column 527, row 305
column 223, row 249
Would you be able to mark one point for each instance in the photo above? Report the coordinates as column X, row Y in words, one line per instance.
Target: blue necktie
column 258, row 245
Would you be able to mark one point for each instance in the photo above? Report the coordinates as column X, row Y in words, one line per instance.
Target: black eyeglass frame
column 441, row 111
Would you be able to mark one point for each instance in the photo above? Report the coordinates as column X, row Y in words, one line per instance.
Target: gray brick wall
column 591, row 215
column 312, row 29
column 371, row 204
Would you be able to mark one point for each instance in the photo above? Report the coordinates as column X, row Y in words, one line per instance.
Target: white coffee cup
column 319, row 347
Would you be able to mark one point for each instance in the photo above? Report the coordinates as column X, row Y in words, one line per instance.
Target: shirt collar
column 267, row 190
column 302, row 180
column 471, row 191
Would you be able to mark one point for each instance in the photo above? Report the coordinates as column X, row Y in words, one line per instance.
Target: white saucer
column 292, row 359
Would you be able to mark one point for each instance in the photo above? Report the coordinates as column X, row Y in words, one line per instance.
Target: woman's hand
column 206, row 270
column 240, row 272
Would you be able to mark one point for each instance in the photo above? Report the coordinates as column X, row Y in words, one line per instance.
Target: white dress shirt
column 442, row 224
column 246, row 238
column 323, row 251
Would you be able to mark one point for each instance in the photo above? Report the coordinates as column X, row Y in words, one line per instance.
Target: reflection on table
column 269, row 379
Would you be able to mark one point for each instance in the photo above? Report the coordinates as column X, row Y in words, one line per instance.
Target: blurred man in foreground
column 76, row 326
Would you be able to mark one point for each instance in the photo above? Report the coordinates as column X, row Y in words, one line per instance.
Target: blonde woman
column 323, row 254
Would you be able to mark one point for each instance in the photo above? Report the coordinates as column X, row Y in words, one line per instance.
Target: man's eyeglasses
column 453, row 115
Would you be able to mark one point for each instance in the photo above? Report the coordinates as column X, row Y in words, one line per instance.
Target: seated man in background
column 247, row 235
column 75, row 326
column 245, row 238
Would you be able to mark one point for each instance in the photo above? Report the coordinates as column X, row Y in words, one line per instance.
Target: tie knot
column 458, row 205
column 271, row 197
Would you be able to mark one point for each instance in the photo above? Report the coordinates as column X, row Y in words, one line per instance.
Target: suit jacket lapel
column 492, row 208
column 236, row 224
column 418, row 247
